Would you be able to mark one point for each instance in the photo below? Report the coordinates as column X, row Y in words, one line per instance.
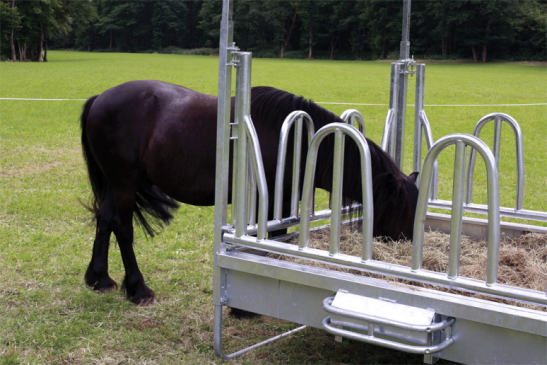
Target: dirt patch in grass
column 522, row 260
column 533, row 63
column 27, row 161
column 31, row 168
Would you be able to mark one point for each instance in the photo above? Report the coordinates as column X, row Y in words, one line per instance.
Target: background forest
column 513, row 30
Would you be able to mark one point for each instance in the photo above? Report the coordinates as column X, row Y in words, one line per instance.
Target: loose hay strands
column 522, row 260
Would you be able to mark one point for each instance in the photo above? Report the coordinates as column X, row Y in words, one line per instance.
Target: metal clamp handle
column 386, row 343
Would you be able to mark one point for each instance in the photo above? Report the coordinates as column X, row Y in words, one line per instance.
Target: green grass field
column 47, row 315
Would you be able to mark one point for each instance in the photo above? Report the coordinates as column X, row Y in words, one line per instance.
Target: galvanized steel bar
column 418, row 121
column 457, row 211
column 493, row 202
column 394, row 270
column 366, row 176
column 353, row 117
column 429, row 328
column 498, row 117
column 412, row 349
column 243, row 88
column 429, row 140
column 389, row 140
column 287, row 222
column 258, row 166
column 281, row 162
column 401, row 114
column 483, row 209
column 217, row 338
column 222, row 140
column 497, row 138
column 336, row 193
column 252, row 189
column 386, row 136
column 405, row 44
column 297, row 157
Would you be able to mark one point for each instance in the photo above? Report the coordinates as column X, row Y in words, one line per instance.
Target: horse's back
column 159, row 133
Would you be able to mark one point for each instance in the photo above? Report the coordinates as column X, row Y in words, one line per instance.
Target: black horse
column 148, row 144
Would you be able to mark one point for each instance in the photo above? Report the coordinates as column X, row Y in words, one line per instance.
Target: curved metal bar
column 434, row 327
column 353, row 116
column 429, row 141
column 258, row 166
column 281, row 162
column 498, row 118
column 252, row 193
column 386, row 343
column 386, row 136
column 366, row 178
column 493, row 202
column 217, row 338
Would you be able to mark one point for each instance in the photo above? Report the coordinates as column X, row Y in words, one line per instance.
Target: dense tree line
column 358, row 29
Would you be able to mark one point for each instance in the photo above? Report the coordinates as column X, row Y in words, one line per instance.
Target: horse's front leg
column 133, row 283
column 97, row 271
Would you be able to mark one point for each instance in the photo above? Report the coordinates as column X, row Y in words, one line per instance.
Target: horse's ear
column 413, row 177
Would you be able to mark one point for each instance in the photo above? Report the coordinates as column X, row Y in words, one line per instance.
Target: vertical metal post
column 223, row 140
column 243, row 89
column 497, row 139
column 405, row 44
column 297, row 157
column 336, row 194
column 457, row 211
column 401, row 115
column 402, row 85
column 419, row 106
column 393, row 106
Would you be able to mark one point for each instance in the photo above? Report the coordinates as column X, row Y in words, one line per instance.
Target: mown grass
column 47, row 315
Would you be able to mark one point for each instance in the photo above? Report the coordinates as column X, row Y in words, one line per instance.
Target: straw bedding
column 522, row 262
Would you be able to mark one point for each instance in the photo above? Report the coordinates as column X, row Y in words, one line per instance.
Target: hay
column 522, row 260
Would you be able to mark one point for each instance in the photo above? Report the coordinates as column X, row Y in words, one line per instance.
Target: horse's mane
column 271, row 106
column 391, row 187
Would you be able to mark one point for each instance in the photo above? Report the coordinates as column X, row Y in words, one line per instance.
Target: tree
column 383, row 26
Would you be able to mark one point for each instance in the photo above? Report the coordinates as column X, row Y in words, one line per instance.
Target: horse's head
column 395, row 199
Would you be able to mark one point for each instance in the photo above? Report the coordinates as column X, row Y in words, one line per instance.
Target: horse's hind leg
column 133, row 283
column 97, row 271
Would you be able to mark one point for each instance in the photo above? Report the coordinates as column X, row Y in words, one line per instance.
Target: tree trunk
column 22, row 51
column 45, row 51
column 284, row 46
column 12, row 45
column 40, row 45
column 474, row 53
column 485, row 46
column 110, row 46
column 333, row 43
column 310, row 41
column 384, row 44
column 444, row 45
column 88, row 42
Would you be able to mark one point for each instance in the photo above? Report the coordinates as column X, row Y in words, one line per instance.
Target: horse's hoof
column 105, row 285
column 242, row 314
column 144, row 296
column 102, row 284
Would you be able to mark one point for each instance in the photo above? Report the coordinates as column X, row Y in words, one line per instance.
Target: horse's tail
column 150, row 201
column 99, row 185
